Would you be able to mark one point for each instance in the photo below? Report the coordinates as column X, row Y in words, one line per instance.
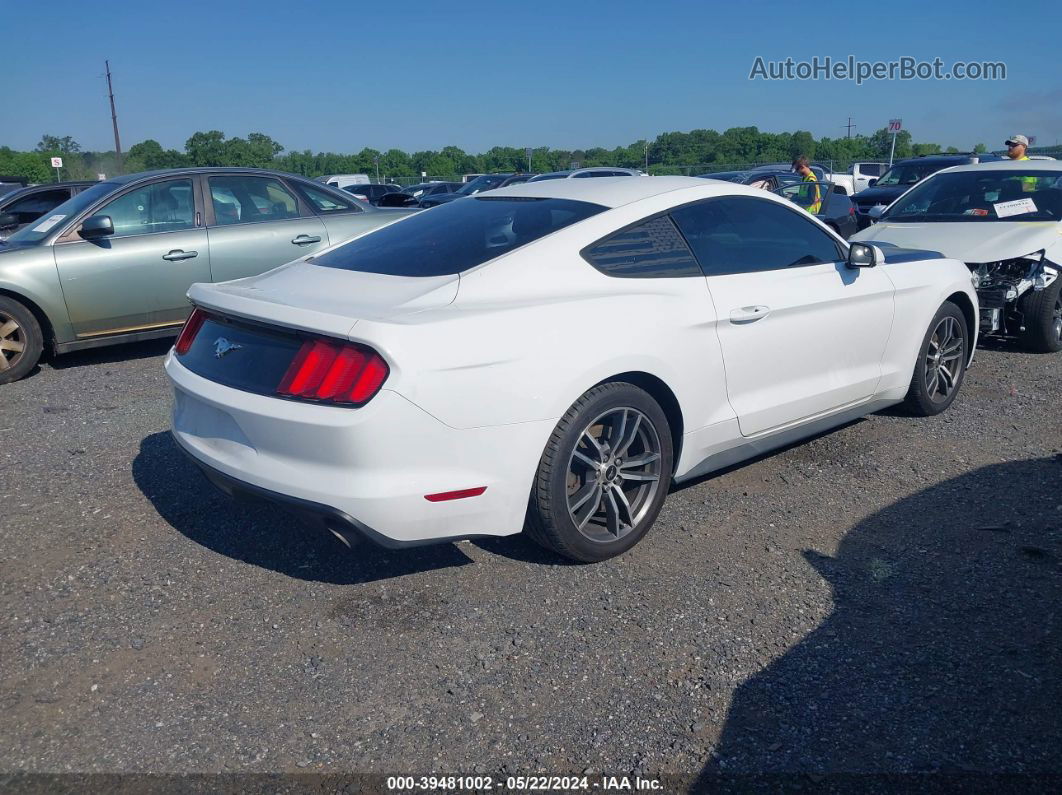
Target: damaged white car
column 1004, row 220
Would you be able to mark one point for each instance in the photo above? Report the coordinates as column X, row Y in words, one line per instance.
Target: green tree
column 148, row 155
column 64, row 145
column 207, row 149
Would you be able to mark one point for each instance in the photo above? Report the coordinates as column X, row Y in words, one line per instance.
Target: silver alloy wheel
column 12, row 341
column 944, row 359
column 1057, row 319
column 613, row 474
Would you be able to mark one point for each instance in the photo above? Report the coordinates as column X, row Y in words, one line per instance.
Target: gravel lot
column 887, row 597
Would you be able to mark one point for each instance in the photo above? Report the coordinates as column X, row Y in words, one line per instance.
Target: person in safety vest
column 800, row 166
column 1017, row 145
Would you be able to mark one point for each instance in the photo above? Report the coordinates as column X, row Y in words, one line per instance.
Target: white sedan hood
column 969, row 241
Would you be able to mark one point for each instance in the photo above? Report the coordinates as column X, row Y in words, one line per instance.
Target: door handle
column 749, row 314
column 177, row 254
column 305, row 240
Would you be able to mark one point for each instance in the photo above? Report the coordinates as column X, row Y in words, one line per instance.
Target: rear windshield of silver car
column 457, row 236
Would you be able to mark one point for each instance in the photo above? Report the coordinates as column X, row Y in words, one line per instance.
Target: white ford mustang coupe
column 550, row 357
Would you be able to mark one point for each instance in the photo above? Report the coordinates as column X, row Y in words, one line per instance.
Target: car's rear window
column 457, row 236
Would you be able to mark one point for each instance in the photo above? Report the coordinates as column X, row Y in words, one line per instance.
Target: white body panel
column 814, row 344
column 483, row 365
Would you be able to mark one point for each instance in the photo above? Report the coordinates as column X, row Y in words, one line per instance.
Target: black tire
column 627, row 414
column 1043, row 319
column 21, row 340
column 925, row 398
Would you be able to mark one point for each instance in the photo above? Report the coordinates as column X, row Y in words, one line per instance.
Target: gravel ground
column 883, row 598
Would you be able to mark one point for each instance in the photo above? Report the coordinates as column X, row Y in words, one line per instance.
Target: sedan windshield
column 994, row 195
column 457, row 236
column 479, row 184
column 907, row 174
column 36, row 232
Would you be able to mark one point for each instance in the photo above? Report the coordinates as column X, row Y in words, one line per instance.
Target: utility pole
column 646, row 147
column 114, row 121
column 849, row 126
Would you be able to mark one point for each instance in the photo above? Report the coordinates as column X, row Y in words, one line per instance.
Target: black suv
column 905, row 173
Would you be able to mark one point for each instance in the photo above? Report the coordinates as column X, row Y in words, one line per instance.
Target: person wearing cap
column 1017, row 145
column 801, row 167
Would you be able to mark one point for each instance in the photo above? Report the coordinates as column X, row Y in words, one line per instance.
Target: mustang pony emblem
column 222, row 346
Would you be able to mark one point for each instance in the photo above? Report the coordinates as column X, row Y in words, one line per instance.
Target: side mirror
column 872, row 182
column 861, row 255
column 8, row 219
column 96, row 226
column 876, row 211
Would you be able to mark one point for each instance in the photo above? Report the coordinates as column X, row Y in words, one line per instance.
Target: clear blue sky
column 339, row 76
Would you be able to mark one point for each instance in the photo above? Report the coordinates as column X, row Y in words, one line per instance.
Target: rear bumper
column 348, row 529
column 358, row 472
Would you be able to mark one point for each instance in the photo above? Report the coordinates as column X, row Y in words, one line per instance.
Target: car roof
column 612, row 191
column 73, row 183
column 1010, row 165
column 127, row 178
column 944, row 158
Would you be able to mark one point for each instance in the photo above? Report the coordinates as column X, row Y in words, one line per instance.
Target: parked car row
column 738, row 320
column 432, row 194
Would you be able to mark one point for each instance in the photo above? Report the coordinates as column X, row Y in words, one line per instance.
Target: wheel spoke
column 11, row 345
column 615, row 436
column 595, row 445
column 595, row 505
column 623, row 506
column 3, row 362
column 613, row 521
column 590, row 464
column 931, row 385
column 948, row 379
column 575, row 502
column 632, row 435
column 9, row 328
column 638, row 461
column 951, row 348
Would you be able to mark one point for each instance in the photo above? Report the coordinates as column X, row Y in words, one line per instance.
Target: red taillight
column 334, row 371
column 188, row 332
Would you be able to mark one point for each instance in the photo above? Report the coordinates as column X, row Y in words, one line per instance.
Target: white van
column 342, row 180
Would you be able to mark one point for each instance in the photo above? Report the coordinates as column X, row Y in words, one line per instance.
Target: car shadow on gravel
column 941, row 658
column 262, row 535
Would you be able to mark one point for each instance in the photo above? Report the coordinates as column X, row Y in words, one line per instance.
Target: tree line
column 670, row 153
